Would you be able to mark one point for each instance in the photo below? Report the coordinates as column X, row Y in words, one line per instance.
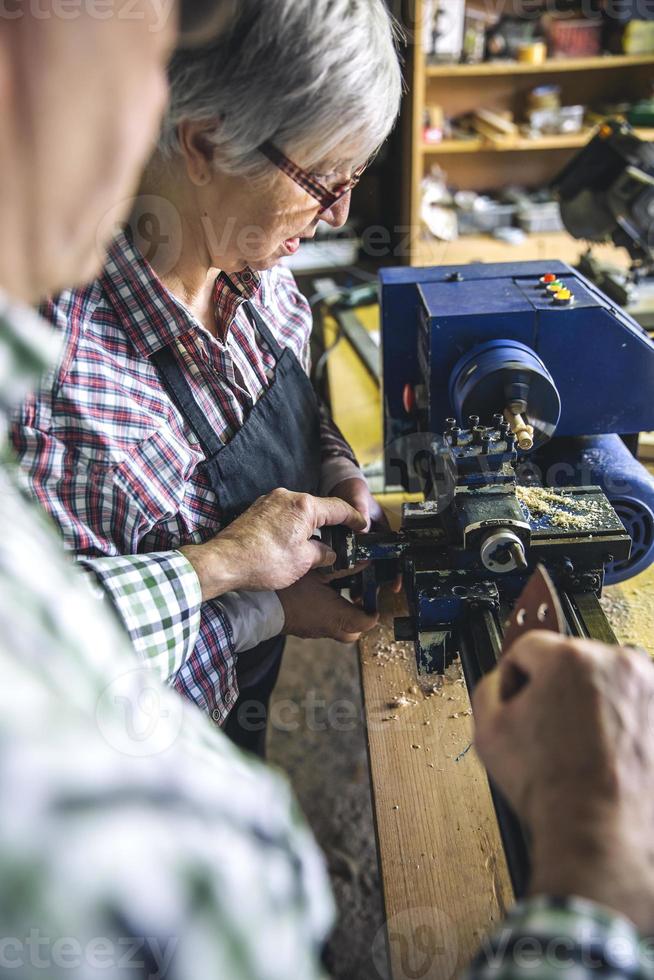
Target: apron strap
column 180, row 392
column 260, row 325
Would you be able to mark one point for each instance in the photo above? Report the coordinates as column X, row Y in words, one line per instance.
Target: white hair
column 312, row 76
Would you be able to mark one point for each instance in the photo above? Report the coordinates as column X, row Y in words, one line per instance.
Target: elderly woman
column 183, row 393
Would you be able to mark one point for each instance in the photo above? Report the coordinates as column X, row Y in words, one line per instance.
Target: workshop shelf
column 518, row 144
column 486, row 166
column 551, row 66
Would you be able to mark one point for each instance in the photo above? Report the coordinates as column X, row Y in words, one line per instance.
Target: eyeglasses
column 325, row 197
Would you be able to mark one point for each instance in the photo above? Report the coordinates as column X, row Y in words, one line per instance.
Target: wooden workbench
column 442, row 866
column 444, row 876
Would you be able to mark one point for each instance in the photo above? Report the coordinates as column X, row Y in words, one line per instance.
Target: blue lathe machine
column 506, row 390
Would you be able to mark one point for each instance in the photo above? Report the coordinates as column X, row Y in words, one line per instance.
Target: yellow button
column 563, row 296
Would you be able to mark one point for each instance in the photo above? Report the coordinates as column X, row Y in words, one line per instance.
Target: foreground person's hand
column 270, row 547
column 313, row 610
column 572, row 748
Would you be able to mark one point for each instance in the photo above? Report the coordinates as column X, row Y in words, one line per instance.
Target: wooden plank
column 444, row 875
column 630, row 609
column 519, row 144
column 601, row 63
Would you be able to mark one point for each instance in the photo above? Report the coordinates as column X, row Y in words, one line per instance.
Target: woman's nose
column 337, row 214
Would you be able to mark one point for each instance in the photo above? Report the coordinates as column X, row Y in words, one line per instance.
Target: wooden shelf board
column 602, row 62
column 564, row 141
column 545, row 246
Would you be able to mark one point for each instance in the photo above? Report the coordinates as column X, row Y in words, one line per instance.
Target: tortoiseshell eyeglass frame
column 323, row 195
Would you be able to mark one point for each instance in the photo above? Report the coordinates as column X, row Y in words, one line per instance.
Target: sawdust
column 561, row 509
column 401, row 701
column 630, row 611
column 388, row 650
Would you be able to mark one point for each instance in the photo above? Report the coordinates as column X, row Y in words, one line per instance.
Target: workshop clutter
column 459, row 31
column 543, row 114
column 508, row 216
column 577, row 37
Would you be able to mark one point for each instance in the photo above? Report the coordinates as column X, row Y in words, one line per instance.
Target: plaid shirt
column 133, row 835
column 109, row 455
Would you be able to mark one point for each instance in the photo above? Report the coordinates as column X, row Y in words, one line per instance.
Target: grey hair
column 312, row 76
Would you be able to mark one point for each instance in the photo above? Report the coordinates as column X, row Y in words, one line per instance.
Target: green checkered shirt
column 156, row 596
column 548, row 938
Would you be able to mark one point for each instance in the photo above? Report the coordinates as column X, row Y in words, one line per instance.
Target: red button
column 409, row 399
column 548, row 278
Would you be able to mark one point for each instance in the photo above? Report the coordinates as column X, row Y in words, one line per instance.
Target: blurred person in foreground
column 134, row 839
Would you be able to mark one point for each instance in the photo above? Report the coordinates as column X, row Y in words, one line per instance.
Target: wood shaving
column 561, row 509
column 401, row 701
column 630, row 611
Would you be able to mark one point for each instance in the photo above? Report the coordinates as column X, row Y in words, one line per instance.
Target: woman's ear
column 197, row 149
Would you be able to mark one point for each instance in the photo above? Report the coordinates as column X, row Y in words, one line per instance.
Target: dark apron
column 277, row 446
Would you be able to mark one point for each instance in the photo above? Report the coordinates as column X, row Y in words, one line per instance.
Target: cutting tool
column 537, row 608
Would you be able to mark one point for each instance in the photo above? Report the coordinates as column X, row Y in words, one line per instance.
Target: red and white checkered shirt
column 109, row 455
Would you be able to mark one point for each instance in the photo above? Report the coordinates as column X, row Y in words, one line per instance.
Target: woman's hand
column 357, row 493
column 313, row 610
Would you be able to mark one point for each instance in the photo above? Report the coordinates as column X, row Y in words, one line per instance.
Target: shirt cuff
column 158, row 598
column 548, row 937
column 334, row 470
column 253, row 616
